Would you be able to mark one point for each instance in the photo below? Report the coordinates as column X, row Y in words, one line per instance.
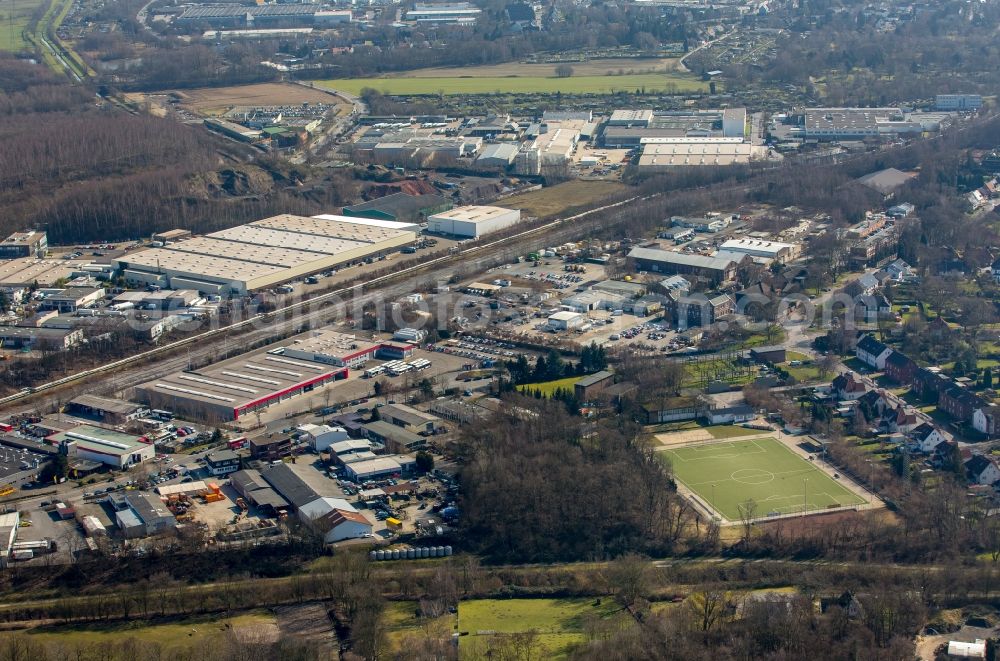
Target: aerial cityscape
column 495, row 329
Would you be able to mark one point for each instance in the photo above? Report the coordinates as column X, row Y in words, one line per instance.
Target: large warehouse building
column 238, row 386
column 473, row 221
column 263, row 253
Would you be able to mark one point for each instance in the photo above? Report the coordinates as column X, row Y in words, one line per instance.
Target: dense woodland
column 540, row 486
column 92, row 172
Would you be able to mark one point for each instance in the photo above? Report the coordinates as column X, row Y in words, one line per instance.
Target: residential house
column 874, row 403
column 872, row 352
column 986, row 420
column 928, row 384
column 960, row 404
column 926, row 437
column 901, row 420
column 865, row 285
column 870, row 308
column 900, row 368
column 847, row 387
column 982, row 470
column 900, row 271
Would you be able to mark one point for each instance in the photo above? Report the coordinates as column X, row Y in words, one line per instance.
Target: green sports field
column 761, row 469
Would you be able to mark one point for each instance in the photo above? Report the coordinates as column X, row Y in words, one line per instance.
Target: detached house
column 847, row 388
column 872, row 352
column 926, row 437
column 986, row 420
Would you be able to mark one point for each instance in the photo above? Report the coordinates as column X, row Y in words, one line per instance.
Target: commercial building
column 321, row 437
column 33, row 243
column 400, row 207
column 380, row 467
column 565, row 320
column 332, row 348
column 630, row 118
column 400, row 225
column 39, row 339
column 172, row 235
column 497, row 156
column 408, row 417
column 299, row 484
column 630, row 128
column 106, row 410
column 238, row 386
column 233, row 130
column 473, row 221
column 222, row 462
column 774, row 251
column 335, row 520
column 262, row 254
column 106, row 446
column 395, row 438
column 958, row 102
column 714, row 269
column 855, row 123
column 141, row 514
column 257, row 492
column 252, row 16
column 270, row 448
column 72, row 299
column 690, row 152
column 444, row 13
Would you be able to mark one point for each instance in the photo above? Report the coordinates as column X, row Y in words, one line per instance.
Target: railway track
column 275, row 322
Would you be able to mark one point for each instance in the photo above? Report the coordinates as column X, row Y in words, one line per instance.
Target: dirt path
column 309, row 622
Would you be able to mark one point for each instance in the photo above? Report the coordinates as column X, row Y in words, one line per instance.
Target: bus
column 402, row 368
column 420, row 364
column 161, row 415
column 374, row 371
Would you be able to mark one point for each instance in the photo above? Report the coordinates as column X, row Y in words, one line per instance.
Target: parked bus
column 420, row 364
column 374, row 371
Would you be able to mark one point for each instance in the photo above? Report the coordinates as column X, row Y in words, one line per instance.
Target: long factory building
column 239, row 386
column 264, row 253
column 236, row 387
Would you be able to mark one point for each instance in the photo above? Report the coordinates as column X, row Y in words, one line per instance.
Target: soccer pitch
column 724, row 474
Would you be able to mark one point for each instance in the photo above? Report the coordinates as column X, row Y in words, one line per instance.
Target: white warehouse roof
column 473, row 214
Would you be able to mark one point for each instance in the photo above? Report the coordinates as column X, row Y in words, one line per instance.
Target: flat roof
column 258, row 254
column 333, row 343
column 564, row 315
column 342, row 227
column 407, row 414
column 392, row 432
column 105, row 404
column 99, row 439
column 239, row 381
column 684, row 259
column 473, row 213
column 253, row 236
column 370, row 466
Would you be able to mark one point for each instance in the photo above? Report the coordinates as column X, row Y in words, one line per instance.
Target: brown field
column 557, row 199
column 597, row 67
column 216, row 100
